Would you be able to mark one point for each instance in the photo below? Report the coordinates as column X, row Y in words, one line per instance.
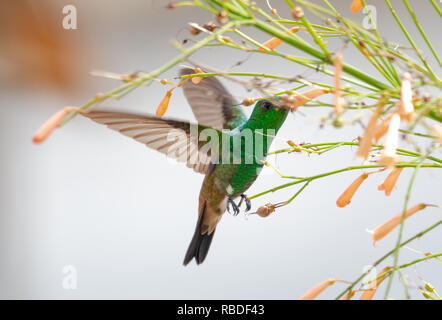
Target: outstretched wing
column 211, row 103
column 177, row 139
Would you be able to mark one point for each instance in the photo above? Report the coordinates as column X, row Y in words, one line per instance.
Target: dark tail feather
column 200, row 244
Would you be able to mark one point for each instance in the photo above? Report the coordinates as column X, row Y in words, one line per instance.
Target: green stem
column 316, row 38
column 356, row 42
column 418, row 25
column 401, row 227
column 374, row 166
column 346, row 143
column 297, row 193
column 146, row 77
column 312, row 64
column 367, row 35
column 407, row 35
column 386, row 62
column 297, row 42
column 385, row 256
column 436, row 7
column 408, row 264
column 290, row 4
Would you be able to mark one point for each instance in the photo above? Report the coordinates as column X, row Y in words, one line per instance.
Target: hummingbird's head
column 269, row 113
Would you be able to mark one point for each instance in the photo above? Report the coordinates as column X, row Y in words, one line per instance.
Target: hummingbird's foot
column 248, row 202
column 235, row 208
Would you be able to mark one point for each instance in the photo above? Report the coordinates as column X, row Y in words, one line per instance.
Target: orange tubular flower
column 356, row 6
column 437, row 131
column 338, row 101
column 382, row 128
column 164, row 104
column 388, row 156
column 367, row 138
column 382, row 230
column 390, row 182
column 298, row 100
column 349, row 295
column 274, row 42
column 53, row 122
column 316, row 290
column 373, row 286
column 348, row 194
column 406, row 107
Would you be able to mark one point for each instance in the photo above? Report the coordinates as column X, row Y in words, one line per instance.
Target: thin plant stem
column 436, row 7
column 385, row 256
column 418, row 25
column 401, row 227
column 407, row 35
column 374, row 166
column 146, row 77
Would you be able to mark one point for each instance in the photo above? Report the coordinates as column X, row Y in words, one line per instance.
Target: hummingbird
column 229, row 172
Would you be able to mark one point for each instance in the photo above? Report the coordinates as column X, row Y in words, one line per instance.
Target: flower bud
column 356, row 6
column 210, row 26
column 297, row 13
column 194, row 29
column 222, row 17
column 266, row 210
column 248, row 102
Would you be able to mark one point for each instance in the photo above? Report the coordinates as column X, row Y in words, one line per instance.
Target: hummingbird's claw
column 248, row 202
column 235, row 208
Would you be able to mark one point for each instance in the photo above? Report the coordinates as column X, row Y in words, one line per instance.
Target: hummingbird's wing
column 211, row 103
column 174, row 138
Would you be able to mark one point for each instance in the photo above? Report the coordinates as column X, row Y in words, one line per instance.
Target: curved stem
column 385, row 256
column 374, row 166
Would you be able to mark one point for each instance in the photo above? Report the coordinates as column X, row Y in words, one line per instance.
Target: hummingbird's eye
column 266, row 105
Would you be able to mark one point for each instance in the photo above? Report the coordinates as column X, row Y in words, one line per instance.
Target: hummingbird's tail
column 200, row 244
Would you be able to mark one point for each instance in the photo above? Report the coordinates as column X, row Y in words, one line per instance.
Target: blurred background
column 119, row 214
